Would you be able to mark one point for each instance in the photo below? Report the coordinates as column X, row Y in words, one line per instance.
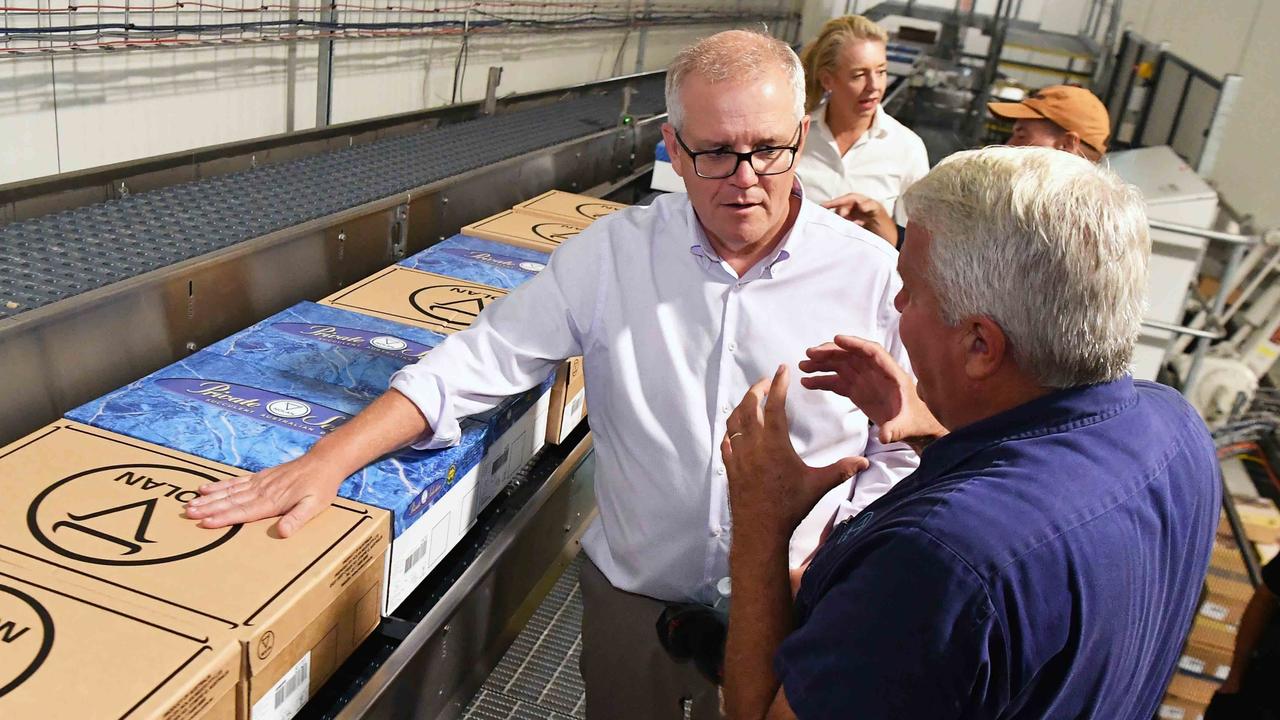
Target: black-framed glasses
column 720, row 164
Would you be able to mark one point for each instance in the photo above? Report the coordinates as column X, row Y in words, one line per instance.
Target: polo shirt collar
column 1058, row 411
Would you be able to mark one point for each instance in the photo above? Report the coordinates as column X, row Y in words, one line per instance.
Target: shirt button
column 726, row 409
column 720, row 470
column 733, row 347
column 717, row 532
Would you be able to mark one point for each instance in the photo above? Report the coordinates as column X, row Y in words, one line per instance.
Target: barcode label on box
column 1214, row 611
column 1191, row 665
column 574, row 414
column 416, row 556
column 287, row 696
column 1169, row 712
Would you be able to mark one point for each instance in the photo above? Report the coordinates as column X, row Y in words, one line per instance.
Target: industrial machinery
column 1168, row 120
column 1174, row 193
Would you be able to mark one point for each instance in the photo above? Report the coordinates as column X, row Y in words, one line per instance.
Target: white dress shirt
column 671, row 339
column 881, row 164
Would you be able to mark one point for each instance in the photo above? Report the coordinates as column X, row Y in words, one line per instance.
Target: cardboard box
column 1224, row 529
column 1199, row 658
column 1196, row 688
column 1266, row 551
column 517, row 431
column 1226, row 557
column 1240, row 576
column 1227, row 584
column 254, row 417
column 506, row 267
column 557, row 204
column 278, row 689
column 108, row 510
column 435, row 302
column 1236, row 589
column 487, row 262
column 523, row 229
column 362, row 352
column 67, row 653
column 331, row 345
column 1260, row 519
column 1223, row 609
column 1176, row 708
column 568, row 401
column 1214, row 634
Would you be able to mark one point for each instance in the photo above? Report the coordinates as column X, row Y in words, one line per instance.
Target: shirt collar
column 767, row 267
column 1055, row 412
column 878, row 129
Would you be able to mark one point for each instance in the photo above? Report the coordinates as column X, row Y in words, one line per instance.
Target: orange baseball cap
column 1071, row 108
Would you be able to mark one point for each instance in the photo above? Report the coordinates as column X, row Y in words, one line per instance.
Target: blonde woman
column 858, row 160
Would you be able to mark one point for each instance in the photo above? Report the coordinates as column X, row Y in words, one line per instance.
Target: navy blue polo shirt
column 1042, row 563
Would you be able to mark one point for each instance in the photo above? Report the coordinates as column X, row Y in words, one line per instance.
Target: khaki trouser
column 628, row 675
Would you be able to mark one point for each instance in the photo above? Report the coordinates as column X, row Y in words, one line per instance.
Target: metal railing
column 1181, row 105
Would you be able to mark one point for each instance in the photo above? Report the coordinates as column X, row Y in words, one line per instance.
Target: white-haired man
column 676, row 309
column 1045, row 561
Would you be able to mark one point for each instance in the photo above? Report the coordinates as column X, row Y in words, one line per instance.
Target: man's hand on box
column 867, row 374
column 296, row 491
column 771, row 489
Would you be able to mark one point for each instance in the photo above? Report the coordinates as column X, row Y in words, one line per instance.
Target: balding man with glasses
column 676, row 308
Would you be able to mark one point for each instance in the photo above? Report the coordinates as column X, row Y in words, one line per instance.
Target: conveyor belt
column 51, row 258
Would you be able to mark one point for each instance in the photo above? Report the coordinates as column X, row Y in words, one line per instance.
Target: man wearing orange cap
column 1065, row 117
column 1060, row 116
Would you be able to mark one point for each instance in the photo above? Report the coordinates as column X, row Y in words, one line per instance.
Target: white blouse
column 882, row 164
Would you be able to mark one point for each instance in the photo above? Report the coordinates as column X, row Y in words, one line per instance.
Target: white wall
column 77, row 112
column 382, row 77
column 29, row 147
column 71, row 112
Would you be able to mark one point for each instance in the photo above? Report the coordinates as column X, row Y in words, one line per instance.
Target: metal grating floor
column 538, row 678
column 50, row 258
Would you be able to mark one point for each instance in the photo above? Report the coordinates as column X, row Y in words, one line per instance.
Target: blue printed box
column 362, row 352
column 253, row 417
column 505, row 266
column 486, row 262
column 331, row 345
